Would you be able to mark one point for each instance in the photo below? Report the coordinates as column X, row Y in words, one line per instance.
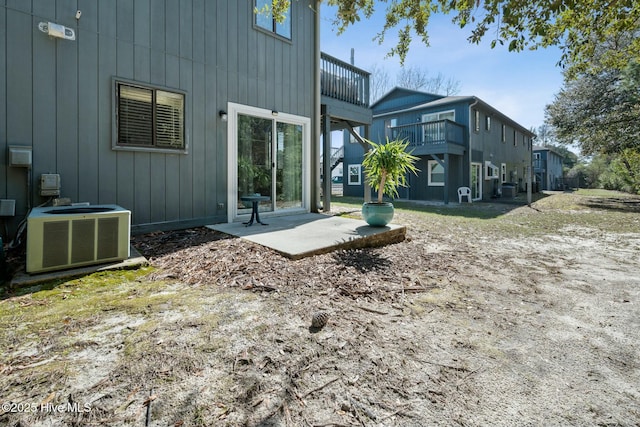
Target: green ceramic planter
column 377, row 214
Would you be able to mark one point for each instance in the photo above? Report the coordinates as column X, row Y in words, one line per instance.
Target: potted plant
column 386, row 167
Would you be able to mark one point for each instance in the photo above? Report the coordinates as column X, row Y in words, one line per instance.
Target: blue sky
column 519, row 84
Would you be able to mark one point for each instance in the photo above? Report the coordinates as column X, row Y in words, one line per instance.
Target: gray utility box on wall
column 20, row 157
column 7, row 207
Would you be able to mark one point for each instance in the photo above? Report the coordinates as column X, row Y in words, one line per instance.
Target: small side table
column 255, row 200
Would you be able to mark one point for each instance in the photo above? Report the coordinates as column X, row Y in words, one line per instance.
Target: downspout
column 315, row 143
column 469, row 142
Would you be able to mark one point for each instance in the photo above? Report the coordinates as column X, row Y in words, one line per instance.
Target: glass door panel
column 476, row 181
column 255, row 175
column 288, row 162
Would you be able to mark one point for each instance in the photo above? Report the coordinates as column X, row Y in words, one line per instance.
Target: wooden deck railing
column 343, row 81
column 430, row 133
column 539, row 164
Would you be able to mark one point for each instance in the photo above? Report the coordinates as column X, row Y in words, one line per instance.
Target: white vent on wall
column 57, row 30
column 63, row 237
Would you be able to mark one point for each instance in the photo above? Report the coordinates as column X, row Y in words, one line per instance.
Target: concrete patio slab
column 299, row 236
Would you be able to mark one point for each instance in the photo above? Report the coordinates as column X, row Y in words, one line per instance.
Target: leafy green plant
column 387, row 165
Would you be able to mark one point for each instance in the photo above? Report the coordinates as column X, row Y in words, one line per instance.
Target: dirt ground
column 515, row 317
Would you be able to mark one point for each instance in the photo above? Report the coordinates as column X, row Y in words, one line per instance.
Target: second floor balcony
column 345, row 90
column 539, row 165
column 437, row 137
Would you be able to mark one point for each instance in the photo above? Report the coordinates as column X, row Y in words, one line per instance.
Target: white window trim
column 491, row 171
column 503, row 172
column 359, row 167
column 480, row 180
column 438, row 115
column 429, row 183
column 352, row 139
column 388, row 124
column 233, row 110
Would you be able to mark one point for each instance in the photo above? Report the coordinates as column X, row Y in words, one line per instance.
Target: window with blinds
column 148, row 117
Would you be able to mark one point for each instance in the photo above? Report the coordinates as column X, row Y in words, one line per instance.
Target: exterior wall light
column 223, row 115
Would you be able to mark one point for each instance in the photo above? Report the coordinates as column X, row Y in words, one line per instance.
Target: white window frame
column 234, row 110
column 357, row 167
column 440, row 115
column 388, row 124
column 476, row 187
column 490, row 171
column 430, row 183
column 503, row 172
column 352, row 139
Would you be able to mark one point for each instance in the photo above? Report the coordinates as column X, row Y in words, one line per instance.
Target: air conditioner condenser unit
column 65, row 237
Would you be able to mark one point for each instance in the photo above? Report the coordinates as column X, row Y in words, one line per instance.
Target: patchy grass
column 489, row 313
column 547, row 214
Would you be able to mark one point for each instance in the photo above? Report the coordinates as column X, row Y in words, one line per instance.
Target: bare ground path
column 519, row 317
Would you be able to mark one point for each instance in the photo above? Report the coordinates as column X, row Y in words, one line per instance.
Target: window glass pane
column 354, row 174
column 289, row 166
column 264, row 20
column 135, row 115
column 169, row 119
column 284, row 29
column 449, row 115
column 436, row 173
column 432, row 117
column 254, row 158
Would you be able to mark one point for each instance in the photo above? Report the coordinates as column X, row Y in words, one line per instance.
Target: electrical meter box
column 49, row 184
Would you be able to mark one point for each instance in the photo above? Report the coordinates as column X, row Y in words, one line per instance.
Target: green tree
column 598, row 111
column 623, row 172
column 577, row 27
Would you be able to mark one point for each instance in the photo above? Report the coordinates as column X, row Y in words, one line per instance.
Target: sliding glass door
column 254, row 167
column 288, row 166
column 268, row 159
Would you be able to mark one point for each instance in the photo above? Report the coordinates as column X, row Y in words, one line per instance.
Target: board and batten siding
column 57, row 97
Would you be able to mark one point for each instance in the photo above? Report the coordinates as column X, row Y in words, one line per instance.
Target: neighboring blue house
column 547, row 166
column 461, row 141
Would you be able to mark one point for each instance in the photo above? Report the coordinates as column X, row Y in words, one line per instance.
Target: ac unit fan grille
column 82, row 240
column 107, row 238
column 55, row 248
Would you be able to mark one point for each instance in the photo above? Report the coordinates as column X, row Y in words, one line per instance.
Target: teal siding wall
column 56, row 97
column 482, row 146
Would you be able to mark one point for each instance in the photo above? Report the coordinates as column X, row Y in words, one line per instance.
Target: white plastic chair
column 462, row 192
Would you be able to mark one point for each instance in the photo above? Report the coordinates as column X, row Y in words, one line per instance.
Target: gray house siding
column 487, row 146
column 548, row 169
column 57, row 97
